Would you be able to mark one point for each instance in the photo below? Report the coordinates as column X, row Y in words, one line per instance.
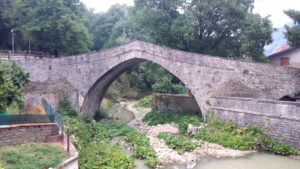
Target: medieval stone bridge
column 244, row 92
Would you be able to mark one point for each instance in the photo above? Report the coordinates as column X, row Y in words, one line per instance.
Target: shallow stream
column 254, row 161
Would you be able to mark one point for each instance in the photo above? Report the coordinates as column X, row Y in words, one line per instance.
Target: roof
column 281, row 50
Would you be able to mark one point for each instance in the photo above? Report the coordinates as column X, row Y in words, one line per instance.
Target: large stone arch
column 95, row 94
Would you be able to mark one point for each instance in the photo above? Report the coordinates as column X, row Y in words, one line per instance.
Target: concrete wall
column 174, row 102
column 280, row 119
column 23, row 133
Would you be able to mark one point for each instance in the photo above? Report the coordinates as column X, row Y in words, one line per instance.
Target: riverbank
column 167, row 155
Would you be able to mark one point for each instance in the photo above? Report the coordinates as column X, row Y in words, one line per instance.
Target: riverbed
column 208, row 156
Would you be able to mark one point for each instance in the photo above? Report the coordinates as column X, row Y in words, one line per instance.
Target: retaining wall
column 279, row 119
column 22, row 133
column 174, row 102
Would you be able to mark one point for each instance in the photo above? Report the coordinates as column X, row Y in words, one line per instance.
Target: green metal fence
column 24, row 119
column 53, row 116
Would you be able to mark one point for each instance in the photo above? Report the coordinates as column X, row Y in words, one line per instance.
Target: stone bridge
column 225, row 85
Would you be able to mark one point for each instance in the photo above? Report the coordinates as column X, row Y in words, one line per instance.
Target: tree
column 293, row 33
column 225, row 28
column 111, row 28
column 12, row 79
column 53, row 26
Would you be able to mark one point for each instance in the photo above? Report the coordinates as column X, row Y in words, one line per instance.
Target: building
column 285, row 55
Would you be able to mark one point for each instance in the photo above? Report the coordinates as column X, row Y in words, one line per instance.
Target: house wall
column 294, row 58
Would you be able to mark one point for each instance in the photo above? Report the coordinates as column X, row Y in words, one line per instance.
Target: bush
column 104, row 131
column 104, row 155
column 99, row 115
column 180, row 143
column 65, row 108
column 144, row 102
column 229, row 135
column 181, row 118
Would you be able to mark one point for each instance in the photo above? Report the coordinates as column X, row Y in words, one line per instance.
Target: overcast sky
column 274, row 8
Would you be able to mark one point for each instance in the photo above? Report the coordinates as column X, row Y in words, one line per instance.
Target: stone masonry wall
column 174, row 102
column 279, row 119
column 23, row 133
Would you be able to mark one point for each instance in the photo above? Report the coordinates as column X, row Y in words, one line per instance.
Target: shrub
column 144, row 102
column 229, row 135
column 104, row 155
column 99, row 115
column 180, row 143
column 65, row 108
column 181, row 118
column 104, row 131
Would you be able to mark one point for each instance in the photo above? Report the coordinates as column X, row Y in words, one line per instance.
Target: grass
column 144, row 102
column 181, row 118
column 31, row 156
column 178, row 142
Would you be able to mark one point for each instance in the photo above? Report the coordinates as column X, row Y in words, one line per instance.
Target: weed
column 180, row 143
column 245, row 71
column 144, row 102
column 181, row 118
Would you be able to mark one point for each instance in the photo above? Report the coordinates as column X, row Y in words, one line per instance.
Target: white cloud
column 104, row 5
column 274, row 8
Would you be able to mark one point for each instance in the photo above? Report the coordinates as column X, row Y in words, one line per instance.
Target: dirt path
column 170, row 156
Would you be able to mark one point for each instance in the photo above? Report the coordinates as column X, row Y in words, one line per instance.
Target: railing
column 53, row 116
column 9, row 54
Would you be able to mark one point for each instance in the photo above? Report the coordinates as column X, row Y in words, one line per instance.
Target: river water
column 253, row 161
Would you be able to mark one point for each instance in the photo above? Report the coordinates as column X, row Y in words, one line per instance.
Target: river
column 125, row 113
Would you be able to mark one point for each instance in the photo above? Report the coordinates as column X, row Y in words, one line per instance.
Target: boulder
column 191, row 129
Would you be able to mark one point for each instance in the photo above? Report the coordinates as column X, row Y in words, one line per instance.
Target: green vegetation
column 293, row 33
column 144, row 102
column 95, row 149
column 31, row 156
column 12, row 79
column 65, row 108
column 226, row 134
column 245, row 71
column 229, row 135
column 180, row 143
column 90, row 135
column 181, row 118
column 104, row 155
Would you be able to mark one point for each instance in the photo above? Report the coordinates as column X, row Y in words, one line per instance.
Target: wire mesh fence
column 24, row 119
column 51, row 116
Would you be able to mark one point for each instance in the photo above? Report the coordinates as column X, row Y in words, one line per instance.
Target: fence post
column 68, row 140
